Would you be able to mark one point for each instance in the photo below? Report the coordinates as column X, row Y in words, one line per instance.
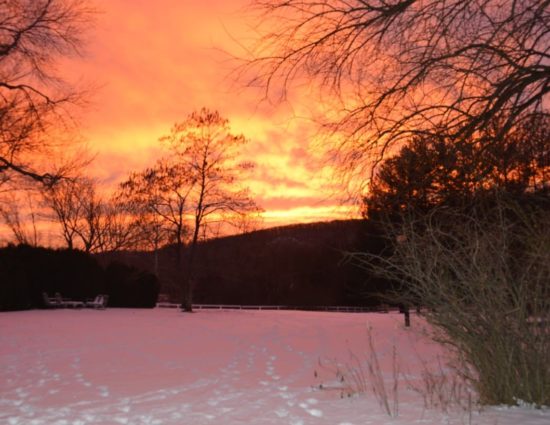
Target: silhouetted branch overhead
column 393, row 68
column 34, row 36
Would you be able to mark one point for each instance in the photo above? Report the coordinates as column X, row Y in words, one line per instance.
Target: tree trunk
column 188, row 278
column 187, row 282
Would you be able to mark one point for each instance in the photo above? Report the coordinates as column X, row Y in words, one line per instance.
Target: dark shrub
column 15, row 291
column 28, row 271
column 129, row 287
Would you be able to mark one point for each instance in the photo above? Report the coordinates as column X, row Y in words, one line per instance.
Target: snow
column 161, row 367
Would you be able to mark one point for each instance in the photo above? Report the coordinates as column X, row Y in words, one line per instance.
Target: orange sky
column 155, row 62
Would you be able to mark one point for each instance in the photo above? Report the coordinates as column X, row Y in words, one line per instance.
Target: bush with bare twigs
column 481, row 274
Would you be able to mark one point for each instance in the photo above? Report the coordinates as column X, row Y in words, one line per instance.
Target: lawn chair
column 51, row 302
column 99, row 302
column 67, row 302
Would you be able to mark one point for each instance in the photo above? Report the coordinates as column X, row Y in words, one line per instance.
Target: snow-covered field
column 77, row 367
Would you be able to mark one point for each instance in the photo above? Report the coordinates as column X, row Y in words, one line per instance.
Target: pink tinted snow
column 162, row 367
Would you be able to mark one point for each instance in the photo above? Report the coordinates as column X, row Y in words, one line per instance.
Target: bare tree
column 91, row 228
column 153, row 232
column 163, row 191
column 82, row 214
column 189, row 195
column 158, row 199
column 34, row 101
column 396, row 68
column 208, row 153
column 21, row 217
column 63, row 200
column 120, row 228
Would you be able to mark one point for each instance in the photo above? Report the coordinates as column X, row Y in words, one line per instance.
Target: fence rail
column 343, row 309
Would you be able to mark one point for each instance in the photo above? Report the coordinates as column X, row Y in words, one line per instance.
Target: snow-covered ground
column 77, row 367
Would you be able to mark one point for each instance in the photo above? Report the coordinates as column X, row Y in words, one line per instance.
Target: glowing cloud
column 154, row 63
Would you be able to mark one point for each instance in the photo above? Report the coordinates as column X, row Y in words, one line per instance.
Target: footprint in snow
column 281, row 413
column 313, row 412
column 103, row 391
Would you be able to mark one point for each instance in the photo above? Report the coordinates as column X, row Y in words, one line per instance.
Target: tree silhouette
column 87, row 219
column 398, row 68
column 21, row 216
column 432, row 171
column 162, row 191
column 80, row 211
column 34, row 36
column 63, row 200
column 159, row 199
column 195, row 188
column 209, row 152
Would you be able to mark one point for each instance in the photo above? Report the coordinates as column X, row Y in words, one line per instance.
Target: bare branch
column 34, row 101
column 389, row 70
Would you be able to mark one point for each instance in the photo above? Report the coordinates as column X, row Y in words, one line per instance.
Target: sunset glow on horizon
column 153, row 63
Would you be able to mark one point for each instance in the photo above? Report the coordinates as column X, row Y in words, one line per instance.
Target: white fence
column 344, row 309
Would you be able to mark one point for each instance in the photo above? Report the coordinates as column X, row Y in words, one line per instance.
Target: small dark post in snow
column 406, row 312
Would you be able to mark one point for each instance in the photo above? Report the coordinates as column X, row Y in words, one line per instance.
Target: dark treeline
column 301, row 265
column 26, row 272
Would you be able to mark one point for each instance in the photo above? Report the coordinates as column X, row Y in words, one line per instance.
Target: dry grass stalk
column 364, row 375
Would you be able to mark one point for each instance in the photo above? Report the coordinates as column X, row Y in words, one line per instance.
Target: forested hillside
column 292, row 265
